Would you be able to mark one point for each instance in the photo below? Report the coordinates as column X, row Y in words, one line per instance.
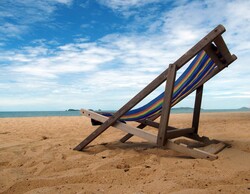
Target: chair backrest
column 217, row 55
column 198, row 69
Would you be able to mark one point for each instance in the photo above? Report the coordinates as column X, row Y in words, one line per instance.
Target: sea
column 15, row 114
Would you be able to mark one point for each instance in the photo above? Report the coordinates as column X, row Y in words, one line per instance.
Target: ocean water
column 13, row 114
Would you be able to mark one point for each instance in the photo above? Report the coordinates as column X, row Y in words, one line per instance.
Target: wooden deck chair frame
column 166, row 133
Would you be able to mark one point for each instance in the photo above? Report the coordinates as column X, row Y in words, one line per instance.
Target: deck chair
column 210, row 56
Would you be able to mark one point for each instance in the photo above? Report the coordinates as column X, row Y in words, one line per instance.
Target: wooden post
column 197, row 108
column 166, row 106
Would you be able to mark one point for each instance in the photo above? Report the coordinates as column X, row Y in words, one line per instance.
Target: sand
column 36, row 156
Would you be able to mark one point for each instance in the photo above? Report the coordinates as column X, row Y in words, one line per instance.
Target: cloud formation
column 17, row 17
column 120, row 5
column 105, row 73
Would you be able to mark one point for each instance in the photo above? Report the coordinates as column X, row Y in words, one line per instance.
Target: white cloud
column 24, row 14
column 12, row 30
column 140, row 10
column 37, row 61
column 66, row 2
column 124, row 5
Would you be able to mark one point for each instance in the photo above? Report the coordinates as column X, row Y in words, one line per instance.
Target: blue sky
column 60, row 54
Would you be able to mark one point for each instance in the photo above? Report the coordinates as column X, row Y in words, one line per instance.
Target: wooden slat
column 223, row 49
column 166, row 106
column 154, row 124
column 122, row 126
column 214, row 57
column 149, row 123
column 179, row 132
column 193, row 152
column 202, row 139
column 214, row 148
column 129, row 135
column 197, row 109
column 141, row 126
column 199, row 46
column 153, row 85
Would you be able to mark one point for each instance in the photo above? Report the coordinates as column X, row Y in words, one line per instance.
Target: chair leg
column 197, row 108
column 166, row 107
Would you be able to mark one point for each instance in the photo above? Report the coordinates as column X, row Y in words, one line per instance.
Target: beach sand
column 36, row 156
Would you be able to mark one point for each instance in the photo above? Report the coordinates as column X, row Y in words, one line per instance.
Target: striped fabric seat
column 198, row 69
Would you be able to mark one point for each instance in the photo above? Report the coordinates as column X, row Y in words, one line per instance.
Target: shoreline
column 38, row 114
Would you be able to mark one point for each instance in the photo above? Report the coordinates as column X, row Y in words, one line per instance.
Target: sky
column 98, row 54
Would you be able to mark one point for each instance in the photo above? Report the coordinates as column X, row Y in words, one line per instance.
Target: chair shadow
column 142, row 148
